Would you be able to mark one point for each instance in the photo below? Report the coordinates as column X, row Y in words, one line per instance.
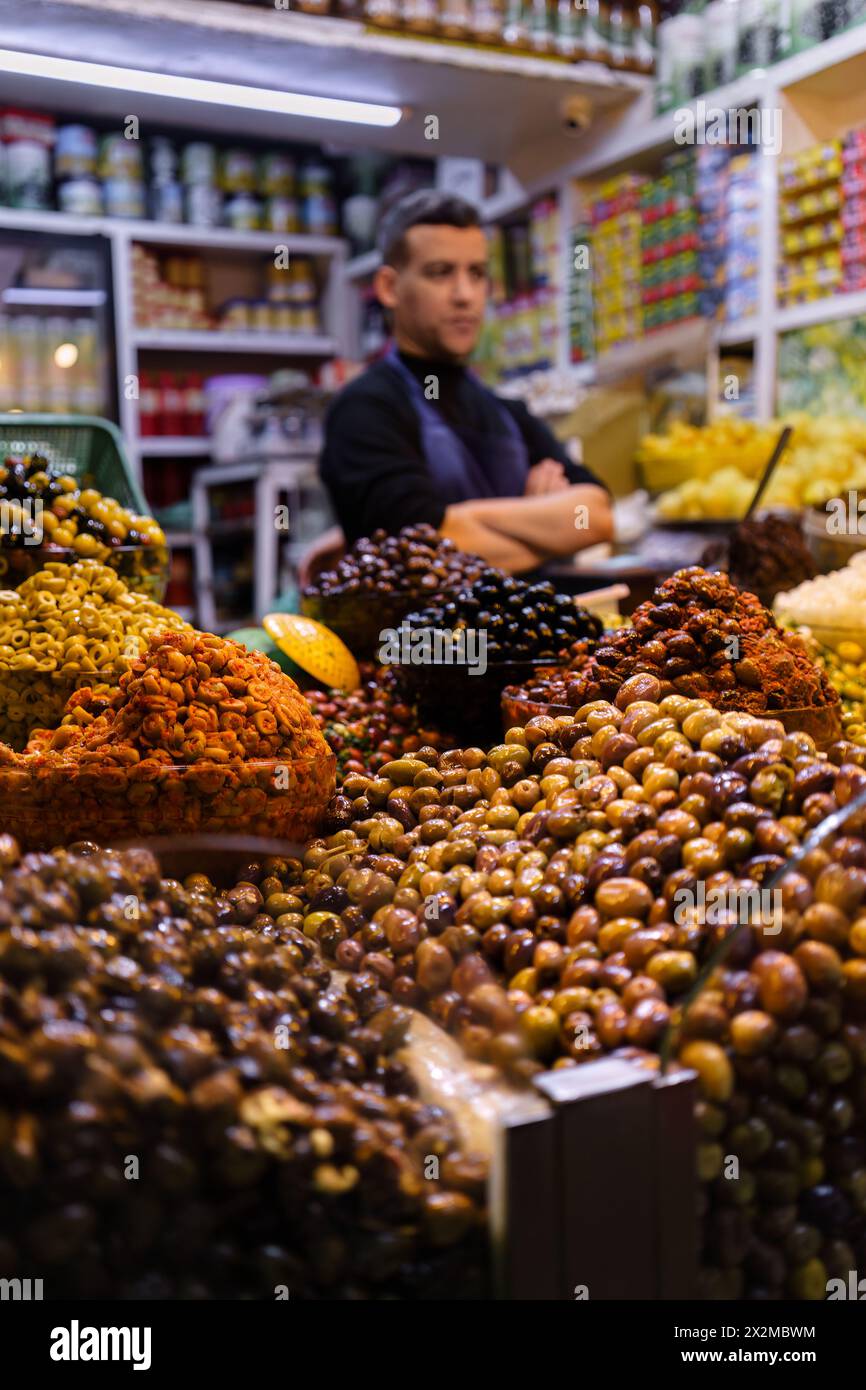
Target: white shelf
column 837, row 306
column 224, row 239
column 39, row 298
column 827, row 57
column 164, row 446
column 735, row 334
column 160, row 233
column 360, row 267
column 211, row 340
column 492, row 105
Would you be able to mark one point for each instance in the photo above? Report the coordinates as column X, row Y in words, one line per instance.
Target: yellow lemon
column 315, row 648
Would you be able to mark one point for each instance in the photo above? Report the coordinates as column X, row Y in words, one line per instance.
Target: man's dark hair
column 427, row 207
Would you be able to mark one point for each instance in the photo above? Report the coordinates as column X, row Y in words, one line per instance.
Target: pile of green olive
column 541, row 901
column 279, row 1141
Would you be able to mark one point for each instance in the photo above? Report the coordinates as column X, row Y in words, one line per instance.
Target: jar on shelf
column 487, row 21
column 80, row 197
column 124, row 197
column 277, row 175
column 162, row 154
column 243, row 213
column 515, row 27
column 282, row 215
column 166, row 202
column 542, row 27
column 317, row 200
column 75, row 151
column 571, row 24
column 236, row 171
column 120, row 158
column 384, row 14
column 619, row 29
column 455, row 19
column 420, row 16
column 597, row 43
column 644, row 27
column 198, row 163
column 202, row 205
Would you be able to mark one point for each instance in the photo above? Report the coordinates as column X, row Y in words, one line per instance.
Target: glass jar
column 75, row 151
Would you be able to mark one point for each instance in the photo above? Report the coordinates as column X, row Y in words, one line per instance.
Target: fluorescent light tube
column 134, row 81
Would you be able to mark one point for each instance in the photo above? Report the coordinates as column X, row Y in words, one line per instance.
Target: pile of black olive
column 415, row 561
column 523, row 621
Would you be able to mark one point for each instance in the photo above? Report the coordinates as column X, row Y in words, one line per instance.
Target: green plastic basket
column 88, row 448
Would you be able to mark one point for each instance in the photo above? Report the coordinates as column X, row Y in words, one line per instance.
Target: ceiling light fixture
column 137, row 82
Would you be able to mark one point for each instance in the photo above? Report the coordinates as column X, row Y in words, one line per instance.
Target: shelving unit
column 264, row 344
column 499, row 107
column 493, row 105
column 820, row 93
column 159, row 446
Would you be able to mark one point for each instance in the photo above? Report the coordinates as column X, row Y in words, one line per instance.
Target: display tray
column 821, row 722
column 58, row 804
column 221, row 857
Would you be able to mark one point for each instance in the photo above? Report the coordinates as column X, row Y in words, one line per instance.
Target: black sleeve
column 373, row 467
column 542, row 443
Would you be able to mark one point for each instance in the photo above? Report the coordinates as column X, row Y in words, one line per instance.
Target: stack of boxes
column 811, row 226
column 711, row 199
column 580, row 324
column 742, row 237
column 853, row 183
column 670, row 245
column 171, row 295
column 616, row 260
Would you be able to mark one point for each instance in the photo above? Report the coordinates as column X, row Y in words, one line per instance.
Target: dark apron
column 472, row 463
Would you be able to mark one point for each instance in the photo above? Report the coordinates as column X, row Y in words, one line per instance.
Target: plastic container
column 453, row 698
column 221, row 857
column 75, row 151
column 830, row 550
column 124, row 198
column 359, row 619
column 91, row 451
column 220, row 391
column 85, row 446
column 143, row 568
column 273, row 797
column 517, row 710
column 80, row 196
column 120, row 158
column 198, row 163
column 32, row 700
column 823, row 723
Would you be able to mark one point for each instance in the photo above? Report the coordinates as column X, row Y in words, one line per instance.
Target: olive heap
column 71, row 516
column 370, row 726
column 522, row 621
column 278, row 1139
column 416, row 561
column 527, row 900
column 701, row 637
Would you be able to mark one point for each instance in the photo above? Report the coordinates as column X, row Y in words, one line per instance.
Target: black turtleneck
column 372, row 464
